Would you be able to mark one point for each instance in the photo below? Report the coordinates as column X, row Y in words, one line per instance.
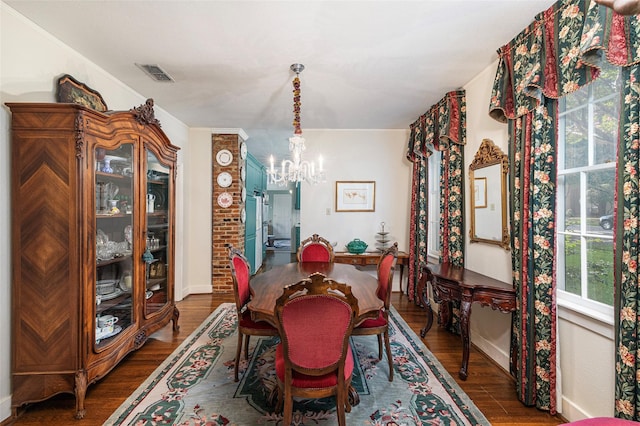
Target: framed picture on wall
column 480, row 193
column 355, row 196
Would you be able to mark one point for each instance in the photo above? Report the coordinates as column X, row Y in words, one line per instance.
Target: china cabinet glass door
column 157, row 252
column 114, row 211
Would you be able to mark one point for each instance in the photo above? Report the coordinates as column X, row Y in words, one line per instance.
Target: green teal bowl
column 357, row 246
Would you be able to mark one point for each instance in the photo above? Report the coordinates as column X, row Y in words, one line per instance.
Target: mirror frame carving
column 488, row 155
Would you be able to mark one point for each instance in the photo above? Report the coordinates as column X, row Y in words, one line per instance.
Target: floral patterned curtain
column 616, row 38
column 556, row 55
column 537, row 67
column 441, row 128
column 419, row 198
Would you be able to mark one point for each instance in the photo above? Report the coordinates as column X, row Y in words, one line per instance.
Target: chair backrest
column 315, row 249
column 240, row 274
column 315, row 318
column 386, row 269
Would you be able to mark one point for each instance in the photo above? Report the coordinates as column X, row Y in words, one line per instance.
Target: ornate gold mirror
column 488, row 180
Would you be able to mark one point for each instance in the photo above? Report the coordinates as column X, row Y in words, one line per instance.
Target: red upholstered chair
column 380, row 325
column 246, row 326
column 315, row 249
column 314, row 359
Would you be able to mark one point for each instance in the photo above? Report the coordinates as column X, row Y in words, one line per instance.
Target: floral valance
column 606, row 33
column 443, row 124
column 558, row 53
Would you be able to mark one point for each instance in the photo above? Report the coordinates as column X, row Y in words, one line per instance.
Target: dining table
column 267, row 287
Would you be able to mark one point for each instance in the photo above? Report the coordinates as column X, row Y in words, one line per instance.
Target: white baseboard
column 497, row 354
column 573, row 412
column 5, row 408
column 196, row 289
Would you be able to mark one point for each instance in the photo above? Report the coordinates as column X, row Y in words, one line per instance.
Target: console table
column 453, row 283
column 370, row 258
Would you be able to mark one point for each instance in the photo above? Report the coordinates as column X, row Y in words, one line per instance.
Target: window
column 433, row 246
column 587, row 145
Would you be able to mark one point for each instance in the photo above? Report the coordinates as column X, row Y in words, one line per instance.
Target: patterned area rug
column 195, row 386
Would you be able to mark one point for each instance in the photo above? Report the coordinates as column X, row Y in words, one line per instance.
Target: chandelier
column 296, row 169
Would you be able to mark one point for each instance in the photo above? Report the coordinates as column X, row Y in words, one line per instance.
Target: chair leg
column 287, row 413
column 347, row 404
column 389, row 357
column 341, row 407
column 379, row 347
column 238, row 349
column 280, row 401
column 353, row 398
column 246, row 347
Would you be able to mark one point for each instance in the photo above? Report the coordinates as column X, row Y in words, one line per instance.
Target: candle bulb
column 273, row 169
column 320, row 163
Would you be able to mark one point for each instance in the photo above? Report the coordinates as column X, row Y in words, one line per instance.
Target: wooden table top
column 466, row 278
column 267, row 287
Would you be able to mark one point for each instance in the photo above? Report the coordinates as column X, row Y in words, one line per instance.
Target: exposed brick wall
column 227, row 228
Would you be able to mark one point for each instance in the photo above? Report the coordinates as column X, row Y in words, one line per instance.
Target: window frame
column 573, row 307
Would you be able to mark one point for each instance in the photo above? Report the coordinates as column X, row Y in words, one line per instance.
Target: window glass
column 571, row 210
column 600, row 270
column 575, row 138
column 587, row 143
column 605, row 125
column 572, row 264
column 434, row 204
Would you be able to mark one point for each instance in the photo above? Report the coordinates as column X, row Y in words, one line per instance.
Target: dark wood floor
column 490, row 387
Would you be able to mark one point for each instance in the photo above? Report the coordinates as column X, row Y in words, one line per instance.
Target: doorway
column 281, row 203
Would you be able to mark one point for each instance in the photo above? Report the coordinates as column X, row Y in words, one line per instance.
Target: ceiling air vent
column 156, row 73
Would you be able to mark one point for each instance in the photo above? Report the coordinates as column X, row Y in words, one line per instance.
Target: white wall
column 377, row 155
column 31, row 62
column 586, row 346
column 197, row 256
column 490, row 330
column 367, row 155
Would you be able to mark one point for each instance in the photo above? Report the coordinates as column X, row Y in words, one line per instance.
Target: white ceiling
column 369, row 64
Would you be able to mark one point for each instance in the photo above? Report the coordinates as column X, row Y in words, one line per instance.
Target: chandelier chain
column 296, row 106
column 296, row 169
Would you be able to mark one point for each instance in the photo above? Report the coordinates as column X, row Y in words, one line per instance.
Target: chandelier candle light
column 296, row 170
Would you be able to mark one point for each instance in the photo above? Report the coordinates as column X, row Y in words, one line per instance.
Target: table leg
column 426, row 303
column 465, row 314
column 421, row 290
column 401, row 273
column 445, row 316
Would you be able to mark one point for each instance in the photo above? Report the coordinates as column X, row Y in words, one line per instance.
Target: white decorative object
column 243, row 150
column 244, row 194
column 225, row 200
column 243, row 173
column 224, row 179
column 224, row 157
column 243, row 215
column 382, row 238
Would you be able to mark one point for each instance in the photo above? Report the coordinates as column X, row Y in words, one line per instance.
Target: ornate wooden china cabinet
column 92, row 241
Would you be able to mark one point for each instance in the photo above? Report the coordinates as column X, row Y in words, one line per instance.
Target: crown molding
column 230, row 131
